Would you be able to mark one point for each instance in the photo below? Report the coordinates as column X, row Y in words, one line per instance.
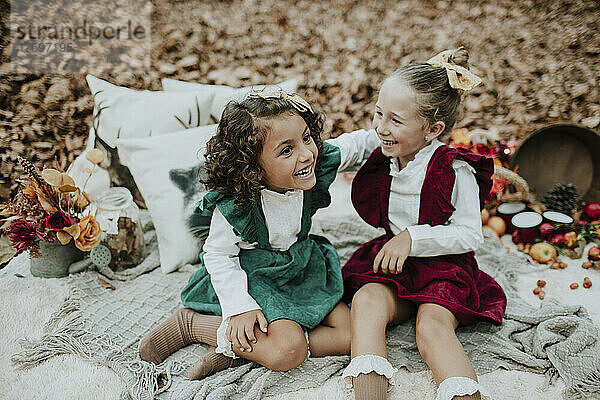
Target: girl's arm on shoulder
column 355, row 147
column 463, row 233
column 222, row 263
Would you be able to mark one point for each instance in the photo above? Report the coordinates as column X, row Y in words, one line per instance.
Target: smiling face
column 289, row 154
column 397, row 123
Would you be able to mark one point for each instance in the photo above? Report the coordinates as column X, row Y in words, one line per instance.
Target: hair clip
column 294, row 99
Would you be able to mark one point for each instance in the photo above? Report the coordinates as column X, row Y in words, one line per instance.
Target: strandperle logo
column 80, row 36
column 85, row 31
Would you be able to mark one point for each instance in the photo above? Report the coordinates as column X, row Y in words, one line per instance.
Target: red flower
column 23, row 236
column 484, row 150
column 58, row 220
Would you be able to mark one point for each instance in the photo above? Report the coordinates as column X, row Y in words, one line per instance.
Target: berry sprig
column 538, row 291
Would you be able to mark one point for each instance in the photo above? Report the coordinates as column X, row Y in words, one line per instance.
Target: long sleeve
column 463, row 232
column 228, row 278
column 355, row 147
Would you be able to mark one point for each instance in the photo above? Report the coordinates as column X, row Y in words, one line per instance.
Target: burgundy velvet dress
column 453, row 281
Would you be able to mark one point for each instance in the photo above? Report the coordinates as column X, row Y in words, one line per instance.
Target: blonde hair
column 436, row 99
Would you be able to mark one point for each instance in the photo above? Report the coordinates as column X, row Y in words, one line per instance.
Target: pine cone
column 562, row 198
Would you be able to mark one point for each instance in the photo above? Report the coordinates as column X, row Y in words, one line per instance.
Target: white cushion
column 129, row 113
column 165, row 169
column 224, row 94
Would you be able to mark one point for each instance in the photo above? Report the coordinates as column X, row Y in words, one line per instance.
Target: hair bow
column 459, row 77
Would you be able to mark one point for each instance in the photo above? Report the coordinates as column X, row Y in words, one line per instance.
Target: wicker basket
column 524, row 194
column 561, row 153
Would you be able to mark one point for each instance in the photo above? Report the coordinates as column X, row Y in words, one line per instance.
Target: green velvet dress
column 303, row 283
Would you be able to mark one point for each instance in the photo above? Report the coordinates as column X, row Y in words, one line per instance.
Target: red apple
column 592, row 209
column 587, row 284
column 594, row 253
column 574, row 285
column 558, row 239
column 571, row 240
column 537, row 291
column 546, row 229
column 541, row 283
column 587, row 265
column 541, row 252
column 580, row 224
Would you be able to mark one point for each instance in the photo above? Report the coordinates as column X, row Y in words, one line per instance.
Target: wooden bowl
column 560, row 153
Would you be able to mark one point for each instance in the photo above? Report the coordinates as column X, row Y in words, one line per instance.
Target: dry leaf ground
column 538, row 59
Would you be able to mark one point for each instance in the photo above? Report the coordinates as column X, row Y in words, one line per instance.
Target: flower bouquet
column 49, row 217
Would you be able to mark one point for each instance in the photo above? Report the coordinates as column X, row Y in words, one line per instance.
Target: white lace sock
column 458, row 386
column 307, row 345
column 367, row 363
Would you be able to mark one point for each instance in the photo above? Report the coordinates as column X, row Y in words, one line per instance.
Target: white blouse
column 283, row 215
column 461, row 233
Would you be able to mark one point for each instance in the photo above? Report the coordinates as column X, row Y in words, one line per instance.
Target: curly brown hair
column 232, row 155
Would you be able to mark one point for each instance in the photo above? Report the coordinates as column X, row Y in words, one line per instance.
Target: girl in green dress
column 267, row 290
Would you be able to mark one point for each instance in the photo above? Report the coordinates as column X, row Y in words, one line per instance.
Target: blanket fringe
column 150, row 380
column 66, row 333
column 586, row 388
column 550, row 377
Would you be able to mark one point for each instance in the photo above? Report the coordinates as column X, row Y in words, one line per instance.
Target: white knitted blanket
column 106, row 326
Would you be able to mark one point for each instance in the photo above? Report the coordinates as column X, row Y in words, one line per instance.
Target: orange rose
column 89, row 236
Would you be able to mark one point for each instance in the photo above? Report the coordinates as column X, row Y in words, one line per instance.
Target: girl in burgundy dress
column 427, row 196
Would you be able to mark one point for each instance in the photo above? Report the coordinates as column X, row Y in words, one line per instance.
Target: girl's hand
column 240, row 330
column 390, row 258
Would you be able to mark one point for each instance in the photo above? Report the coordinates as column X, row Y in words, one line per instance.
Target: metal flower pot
column 55, row 259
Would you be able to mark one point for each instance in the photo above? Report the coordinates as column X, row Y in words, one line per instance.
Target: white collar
column 280, row 196
column 421, row 158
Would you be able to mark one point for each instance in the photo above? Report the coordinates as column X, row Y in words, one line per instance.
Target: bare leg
column 439, row 346
column 332, row 336
column 374, row 307
column 282, row 348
